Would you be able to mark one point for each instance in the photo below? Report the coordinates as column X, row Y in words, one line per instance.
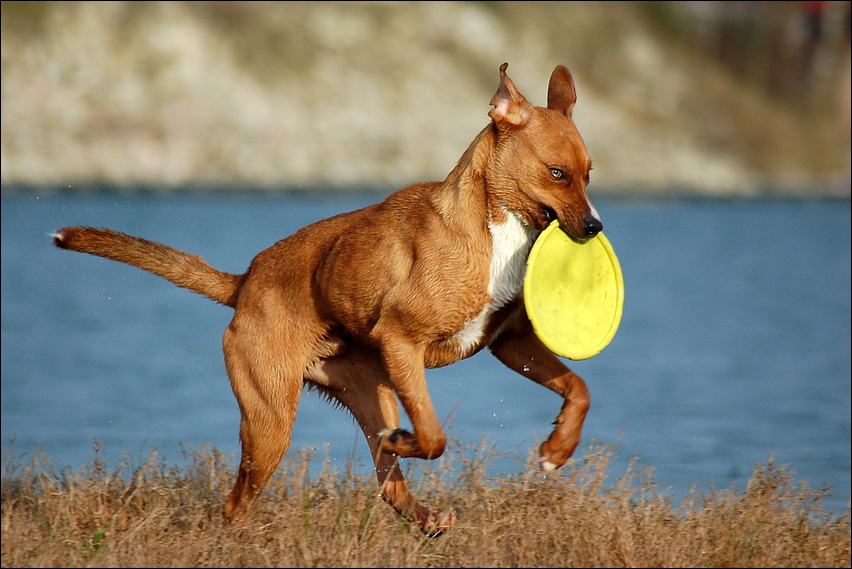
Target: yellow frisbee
column 573, row 293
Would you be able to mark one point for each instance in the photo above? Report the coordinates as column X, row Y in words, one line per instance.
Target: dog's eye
column 557, row 173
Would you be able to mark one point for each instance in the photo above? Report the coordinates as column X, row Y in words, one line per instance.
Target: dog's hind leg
column 267, row 388
column 358, row 381
column 523, row 352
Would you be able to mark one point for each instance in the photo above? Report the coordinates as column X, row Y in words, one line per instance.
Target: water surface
column 734, row 346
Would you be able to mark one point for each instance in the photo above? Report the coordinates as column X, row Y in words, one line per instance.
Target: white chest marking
column 510, row 245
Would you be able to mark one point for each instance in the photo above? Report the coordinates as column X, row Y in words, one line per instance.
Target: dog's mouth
column 549, row 213
column 590, row 230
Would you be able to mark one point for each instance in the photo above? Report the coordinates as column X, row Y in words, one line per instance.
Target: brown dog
column 360, row 303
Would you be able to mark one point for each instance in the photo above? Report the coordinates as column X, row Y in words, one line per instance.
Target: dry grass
column 157, row 515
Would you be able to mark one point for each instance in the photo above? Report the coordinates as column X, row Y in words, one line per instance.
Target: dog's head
column 540, row 166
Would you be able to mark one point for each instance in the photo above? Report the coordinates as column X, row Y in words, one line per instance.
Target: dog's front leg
column 404, row 364
column 522, row 351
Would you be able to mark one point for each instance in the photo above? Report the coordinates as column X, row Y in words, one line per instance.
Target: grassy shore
column 157, row 515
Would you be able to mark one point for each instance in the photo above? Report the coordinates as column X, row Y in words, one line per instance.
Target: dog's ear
column 561, row 94
column 510, row 110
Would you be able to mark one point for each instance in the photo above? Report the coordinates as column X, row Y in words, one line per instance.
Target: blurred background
column 719, row 98
column 720, row 134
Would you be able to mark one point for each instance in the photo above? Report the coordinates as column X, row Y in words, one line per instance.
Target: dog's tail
column 183, row 269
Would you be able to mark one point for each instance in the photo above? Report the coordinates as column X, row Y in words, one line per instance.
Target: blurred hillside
column 719, row 98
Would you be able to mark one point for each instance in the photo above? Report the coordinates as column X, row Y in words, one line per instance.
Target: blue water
column 734, row 346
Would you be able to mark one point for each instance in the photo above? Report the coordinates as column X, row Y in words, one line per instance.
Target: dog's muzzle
column 591, row 225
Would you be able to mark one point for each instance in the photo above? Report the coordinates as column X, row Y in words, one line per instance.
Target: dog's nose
column 592, row 226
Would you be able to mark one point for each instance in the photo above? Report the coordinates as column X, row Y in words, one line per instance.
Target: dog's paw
column 403, row 443
column 395, row 435
column 397, row 441
column 546, row 465
column 549, row 460
column 406, row 444
column 436, row 524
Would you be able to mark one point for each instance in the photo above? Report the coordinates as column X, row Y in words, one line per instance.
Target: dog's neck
column 464, row 202
column 461, row 199
column 465, row 192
